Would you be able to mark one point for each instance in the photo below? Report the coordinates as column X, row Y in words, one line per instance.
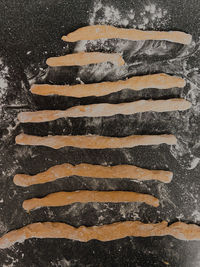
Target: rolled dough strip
column 66, row 198
column 83, row 58
column 94, row 141
column 95, row 171
column 159, row 81
column 95, row 32
column 105, row 110
column 103, row 233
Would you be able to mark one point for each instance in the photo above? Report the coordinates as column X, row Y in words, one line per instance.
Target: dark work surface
column 31, row 32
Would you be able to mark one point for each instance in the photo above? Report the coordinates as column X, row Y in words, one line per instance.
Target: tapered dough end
column 34, row 89
column 180, row 37
column 10, row 238
column 39, row 89
column 50, row 62
column 30, row 204
column 20, row 180
column 186, row 105
column 183, row 104
column 25, row 206
column 37, row 116
column 169, row 177
column 6, row 242
column 171, row 139
column 166, row 177
column 181, row 82
column 187, row 39
column 66, row 39
column 21, row 117
column 19, row 138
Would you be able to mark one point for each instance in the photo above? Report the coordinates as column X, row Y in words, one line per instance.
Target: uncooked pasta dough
column 95, row 171
column 179, row 230
column 95, row 32
column 105, row 110
column 159, row 81
column 94, row 141
column 84, row 196
column 83, row 58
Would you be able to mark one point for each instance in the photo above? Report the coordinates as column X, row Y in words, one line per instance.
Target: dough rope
column 159, row 81
column 84, row 196
column 103, row 233
column 94, row 141
column 94, row 171
column 105, row 110
column 84, row 58
column 95, row 32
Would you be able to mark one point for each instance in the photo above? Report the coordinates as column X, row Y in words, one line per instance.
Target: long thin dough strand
column 103, row 233
column 94, row 141
column 83, row 58
column 95, row 171
column 95, row 32
column 84, row 196
column 159, row 81
column 104, row 110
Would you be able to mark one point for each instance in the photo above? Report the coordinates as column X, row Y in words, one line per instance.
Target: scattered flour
column 151, row 16
column 130, row 211
column 3, row 84
column 196, row 215
column 109, row 15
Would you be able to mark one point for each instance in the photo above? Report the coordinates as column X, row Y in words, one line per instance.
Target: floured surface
column 28, row 41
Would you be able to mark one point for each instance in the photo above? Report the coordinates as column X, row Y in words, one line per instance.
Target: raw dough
column 95, row 171
column 104, row 110
column 94, row 141
column 103, row 233
column 83, row 196
column 95, row 32
column 159, row 81
column 84, row 58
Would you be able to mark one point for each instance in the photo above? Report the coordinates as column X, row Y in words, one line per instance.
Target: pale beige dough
column 95, row 32
column 84, row 58
column 94, row 141
column 104, row 110
column 84, row 196
column 159, row 81
column 103, row 233
column 95, row 171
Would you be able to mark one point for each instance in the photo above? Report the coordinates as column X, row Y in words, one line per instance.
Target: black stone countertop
column 30, row 33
